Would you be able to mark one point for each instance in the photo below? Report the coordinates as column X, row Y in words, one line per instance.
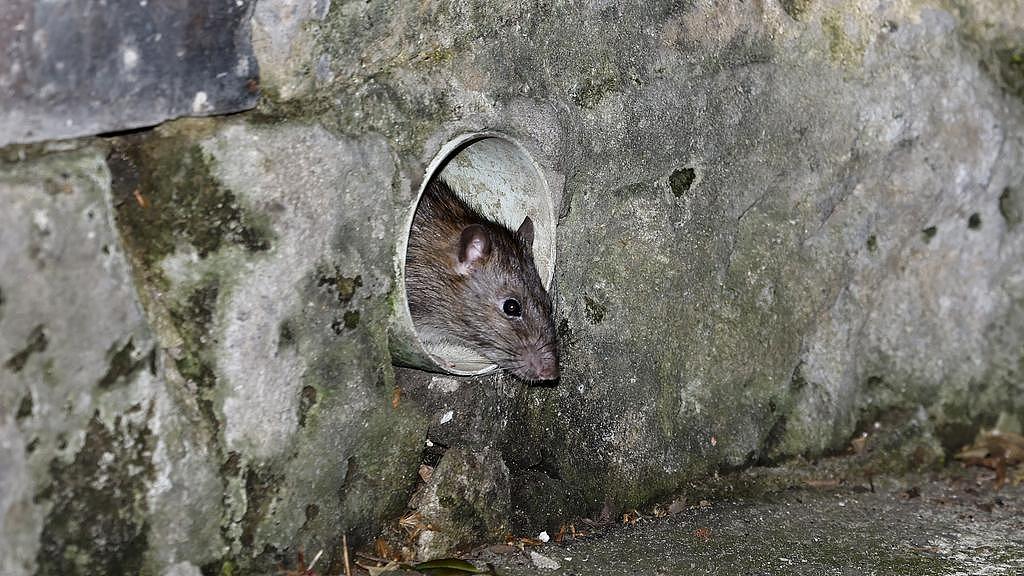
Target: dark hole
column 307, row 400
column 285, row 333
column 312, row 511
column 232, row 466
column 974, row 221
column 432, row 453
column 681, row 180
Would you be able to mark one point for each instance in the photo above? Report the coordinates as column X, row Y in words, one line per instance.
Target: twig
column 344, row 545
column 309, row 570
column 372, row 557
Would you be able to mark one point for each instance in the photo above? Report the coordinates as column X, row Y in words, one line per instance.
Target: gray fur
column 467, row 308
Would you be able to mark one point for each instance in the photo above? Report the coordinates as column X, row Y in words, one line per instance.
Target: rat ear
column 526, row 232
column 474, row 247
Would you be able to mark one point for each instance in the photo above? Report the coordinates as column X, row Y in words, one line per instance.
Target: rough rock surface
column 781, row 222
column 465, row 499
column 263, row 258
column 932, row 527
column 81, row 67
column 77, row 379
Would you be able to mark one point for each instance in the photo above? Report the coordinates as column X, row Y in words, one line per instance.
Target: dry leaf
column 378, row 570
column 997, row 451
column 413, row 524
column 631, row 517
column 383, row 549
column 448, row 567
column 426, row 472
column 521, row 542
column 140, row 199
column 859, row 444
column 1005, row 446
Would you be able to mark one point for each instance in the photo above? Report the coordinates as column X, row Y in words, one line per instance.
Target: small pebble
column 543, row 562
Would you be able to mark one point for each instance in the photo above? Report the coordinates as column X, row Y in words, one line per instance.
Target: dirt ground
column 955, row 522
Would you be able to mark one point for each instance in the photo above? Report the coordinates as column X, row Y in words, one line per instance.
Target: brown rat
column 472, row 281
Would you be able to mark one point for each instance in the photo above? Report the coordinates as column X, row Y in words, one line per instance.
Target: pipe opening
column 497, row 178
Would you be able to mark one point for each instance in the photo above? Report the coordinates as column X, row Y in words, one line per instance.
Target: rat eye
column 512, row 307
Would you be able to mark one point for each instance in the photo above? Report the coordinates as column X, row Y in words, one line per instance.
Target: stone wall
column 781, row 223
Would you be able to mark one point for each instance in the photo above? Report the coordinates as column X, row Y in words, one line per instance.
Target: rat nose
column 543, row 367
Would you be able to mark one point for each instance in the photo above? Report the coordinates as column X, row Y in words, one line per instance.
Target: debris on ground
column 998, row 451
column 439, row 567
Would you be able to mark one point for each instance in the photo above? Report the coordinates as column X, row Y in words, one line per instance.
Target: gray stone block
column 74, row 68
column 78, row 376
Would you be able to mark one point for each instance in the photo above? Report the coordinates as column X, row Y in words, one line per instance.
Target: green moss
column 220, row 568
column 796, row 8
column 593, row 309
column 24, row 407
column 122, row 364
column 374, row 99
column 997, row 47
column 345, row 287
column 437, row 55
column 681, row 180
column 261, row 486
column 843, row 49
column 192, row 309
column 95, row 524
column 307, row 400
column 382, row 469
column 472, row 490
column 166, row 196
column 193, row 315
column 367, row 472
column 351, row 319
column 594, row 86
column 37, row 343
column 1010, row 63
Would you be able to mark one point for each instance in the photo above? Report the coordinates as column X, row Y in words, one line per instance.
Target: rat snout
column 542, row 366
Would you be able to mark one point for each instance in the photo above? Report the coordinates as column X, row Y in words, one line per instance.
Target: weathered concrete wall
column 780, row 223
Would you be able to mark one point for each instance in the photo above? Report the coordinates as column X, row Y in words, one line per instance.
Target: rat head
column 506, row 313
